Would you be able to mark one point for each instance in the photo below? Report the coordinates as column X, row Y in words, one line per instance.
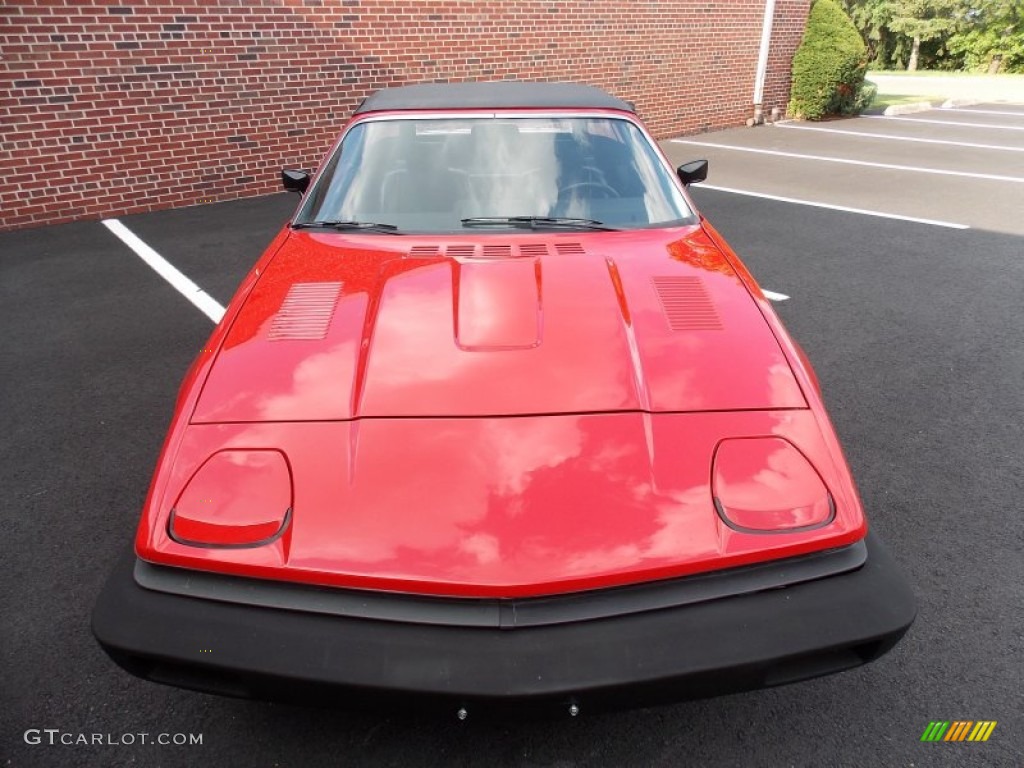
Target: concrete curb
column 909, row 109
column 952, row 103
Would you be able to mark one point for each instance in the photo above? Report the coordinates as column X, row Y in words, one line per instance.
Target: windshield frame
column 302, row 216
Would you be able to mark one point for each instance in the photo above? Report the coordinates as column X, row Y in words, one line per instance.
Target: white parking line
column 983, row 111
column 202, row 300
column 773, row 296
column 894, row 137
column 843, row 208
column 846, row 161
column 945, row 122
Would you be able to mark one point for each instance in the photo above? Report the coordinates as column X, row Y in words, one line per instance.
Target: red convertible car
column 499, row 418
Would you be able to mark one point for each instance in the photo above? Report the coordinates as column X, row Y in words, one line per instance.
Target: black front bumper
column 704, row 648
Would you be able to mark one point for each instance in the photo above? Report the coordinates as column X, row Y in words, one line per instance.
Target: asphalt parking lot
column 962, row 166
column 914, row 328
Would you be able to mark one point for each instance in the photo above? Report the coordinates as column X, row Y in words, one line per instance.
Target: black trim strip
column 500, row 613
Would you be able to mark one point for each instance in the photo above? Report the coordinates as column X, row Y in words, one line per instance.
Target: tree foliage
column 924, row 19
column 872, row 18
column 985, row 35
column 991, row 37
column 829, row 66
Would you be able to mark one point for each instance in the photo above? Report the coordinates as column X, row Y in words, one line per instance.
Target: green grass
column 942, row 73
column 883, row 100
column 937, row 87
column 918, row 73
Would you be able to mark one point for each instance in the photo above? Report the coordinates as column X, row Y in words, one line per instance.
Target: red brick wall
column 112, row 106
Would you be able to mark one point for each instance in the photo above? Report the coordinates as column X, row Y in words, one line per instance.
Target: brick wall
column 117, row 107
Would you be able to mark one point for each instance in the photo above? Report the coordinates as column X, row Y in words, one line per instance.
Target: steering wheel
column 608, row 190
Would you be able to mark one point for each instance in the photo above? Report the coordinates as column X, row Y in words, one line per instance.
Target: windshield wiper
column 371, row 226
column 535, row 222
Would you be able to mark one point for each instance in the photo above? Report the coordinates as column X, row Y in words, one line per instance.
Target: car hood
column 341, row 327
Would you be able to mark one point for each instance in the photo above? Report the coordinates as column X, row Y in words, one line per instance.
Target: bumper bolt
column 462, row 714
column 573, row 710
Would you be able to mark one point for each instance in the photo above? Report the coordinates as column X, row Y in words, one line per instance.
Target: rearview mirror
column 295, row 180
column 693, row 172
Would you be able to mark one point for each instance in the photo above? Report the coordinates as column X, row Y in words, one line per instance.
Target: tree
column 872, row 18
column 985, row 35
column 924, row 20
column 991, row 36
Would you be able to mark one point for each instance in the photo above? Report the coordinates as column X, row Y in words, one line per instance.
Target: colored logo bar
column 958, row 730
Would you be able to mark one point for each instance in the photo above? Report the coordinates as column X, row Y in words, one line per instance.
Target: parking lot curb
column 952, row 103
column 908, row 109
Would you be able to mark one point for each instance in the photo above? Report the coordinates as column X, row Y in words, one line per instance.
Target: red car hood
column 567, row 400
column 340, row 328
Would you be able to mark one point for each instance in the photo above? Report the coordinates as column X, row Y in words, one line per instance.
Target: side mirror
column 295, row 180
column 693, row 172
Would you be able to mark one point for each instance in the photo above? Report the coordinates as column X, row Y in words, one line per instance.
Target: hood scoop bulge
column 497, row 305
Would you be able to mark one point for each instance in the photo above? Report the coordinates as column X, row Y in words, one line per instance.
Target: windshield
column 434, row 175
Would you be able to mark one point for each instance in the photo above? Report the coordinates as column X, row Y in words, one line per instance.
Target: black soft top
column 503, row 94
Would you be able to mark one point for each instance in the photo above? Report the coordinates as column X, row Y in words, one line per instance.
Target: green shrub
column 866, row 95
column 829, row 66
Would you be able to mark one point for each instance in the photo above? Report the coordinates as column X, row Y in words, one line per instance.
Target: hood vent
column 686, row 304
column 494, row 251
column 306, row 312
column 568, row 249
column 460, row 251
column 497, row 251
column 533, row 250
column 424, row 251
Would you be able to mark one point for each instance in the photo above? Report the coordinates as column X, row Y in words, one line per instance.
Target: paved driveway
column 915, row 329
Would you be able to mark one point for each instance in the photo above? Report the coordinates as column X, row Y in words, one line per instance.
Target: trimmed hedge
column 829, row 66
